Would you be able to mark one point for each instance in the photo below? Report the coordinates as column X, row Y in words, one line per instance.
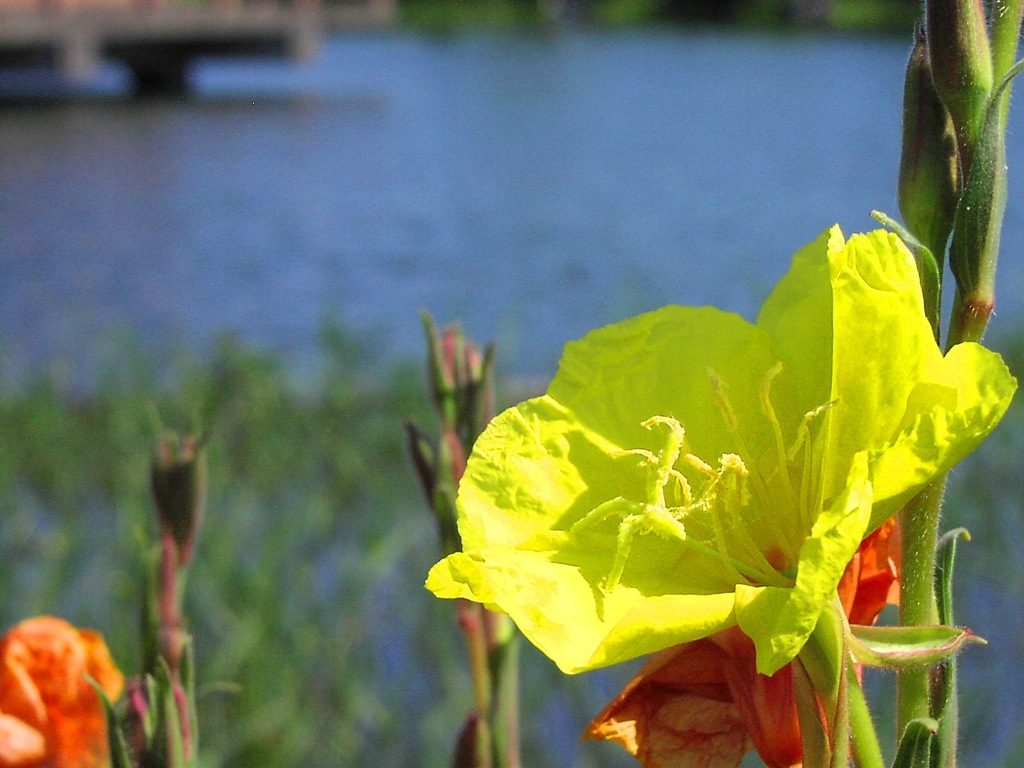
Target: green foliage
column 316, row 644
column 888, row 15
column 441, row 15
column 305, row 597
column 858, row 15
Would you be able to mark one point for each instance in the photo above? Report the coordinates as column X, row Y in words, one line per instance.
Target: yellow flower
column 689, row 471
column 50, row 716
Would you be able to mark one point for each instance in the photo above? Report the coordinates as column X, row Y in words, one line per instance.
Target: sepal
column 903, row 647
column 945, row 557
column 916, row 745
column 169, row 727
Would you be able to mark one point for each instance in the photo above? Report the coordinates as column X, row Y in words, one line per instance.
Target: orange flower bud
column 49, row 713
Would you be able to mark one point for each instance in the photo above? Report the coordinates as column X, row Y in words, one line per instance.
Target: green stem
column 822, row 702
column 504, row 664
column 1006, row 19
column 866, row 751
column 814, row 728
column 471, row 619
column 919, row 524
column 841, row 718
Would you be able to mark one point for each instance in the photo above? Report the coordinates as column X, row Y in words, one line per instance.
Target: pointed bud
column 461, row 380
column 466, row 747
column 178, row 479
column 929, row 179
column 974, row 248
column 434, row 469
column 423, row 458
column 961, row 66
column 139, row 715
column 462, row 388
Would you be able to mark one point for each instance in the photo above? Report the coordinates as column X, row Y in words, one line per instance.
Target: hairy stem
column 919, row 525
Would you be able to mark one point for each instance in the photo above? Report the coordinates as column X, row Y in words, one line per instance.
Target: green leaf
column 171, row 726
column 944, row 559
column 115, row 736
column 916, row 745
column 944, row 700
column 186, row 673
column 902, row 647
column 151, row 716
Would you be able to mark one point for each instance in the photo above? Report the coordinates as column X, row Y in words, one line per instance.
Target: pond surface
column 534, row 186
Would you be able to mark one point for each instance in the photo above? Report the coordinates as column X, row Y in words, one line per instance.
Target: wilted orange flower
column 50, row 717
column 704, row 705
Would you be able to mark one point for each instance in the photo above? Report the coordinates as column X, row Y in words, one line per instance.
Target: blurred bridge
column 158, row 39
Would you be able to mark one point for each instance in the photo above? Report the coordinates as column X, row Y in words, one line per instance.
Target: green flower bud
column 929, row 179
column 461, row 380
column 961, row 67
column 974, row 249
column 462, row 389
column 178, row 479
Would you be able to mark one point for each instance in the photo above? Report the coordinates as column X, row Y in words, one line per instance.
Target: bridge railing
column 158, row 39
column 144, row 5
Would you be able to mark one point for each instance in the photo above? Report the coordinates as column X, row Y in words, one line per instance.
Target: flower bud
column 139, row 723
column 178, row 479
column 929, row 179
column 460, row 379
column 961, row 66
column 974, row 249
column 437, row 477
column 466, row 748
column 462, row 388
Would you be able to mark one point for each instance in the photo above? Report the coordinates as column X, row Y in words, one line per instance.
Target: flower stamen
column 781, row 456
column 724, row 493
column 809, row 478
column 760, row 486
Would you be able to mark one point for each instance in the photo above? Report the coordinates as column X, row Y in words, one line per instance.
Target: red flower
column 50, row 717
column 703, row 704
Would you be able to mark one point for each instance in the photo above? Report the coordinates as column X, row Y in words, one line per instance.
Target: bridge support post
column 160, row 76
column 78, row 53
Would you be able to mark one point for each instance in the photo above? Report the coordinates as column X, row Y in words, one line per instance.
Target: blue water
column 533, row 186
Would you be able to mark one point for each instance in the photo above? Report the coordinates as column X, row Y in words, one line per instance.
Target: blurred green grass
column 316, row 643
column 880, row 16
